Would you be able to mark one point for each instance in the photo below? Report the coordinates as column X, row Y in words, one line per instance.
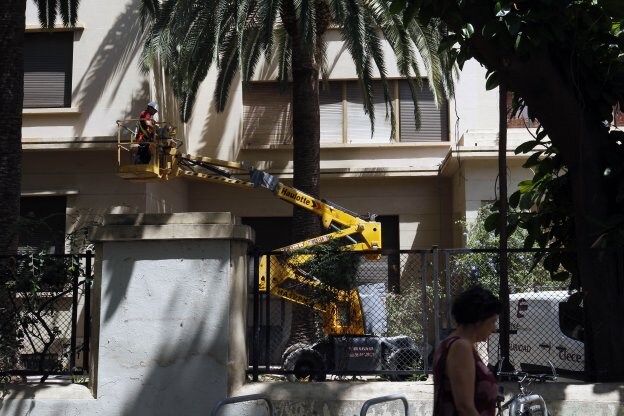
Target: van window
column 571, row 317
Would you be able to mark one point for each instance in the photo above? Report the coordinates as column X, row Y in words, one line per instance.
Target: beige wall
column 89, row 180
column 422, row 204
column 106, row 83
column 395, row 178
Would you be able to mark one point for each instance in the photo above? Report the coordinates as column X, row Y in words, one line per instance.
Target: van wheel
column 305, row 363
column 403, row 360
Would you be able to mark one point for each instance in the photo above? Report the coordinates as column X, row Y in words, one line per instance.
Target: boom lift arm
column 342, row 315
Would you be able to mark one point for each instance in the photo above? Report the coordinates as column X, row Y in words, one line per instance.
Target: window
column 43, row 219
column 358, row 122
column 433, row 121
column 267, row 114
column 48, row 69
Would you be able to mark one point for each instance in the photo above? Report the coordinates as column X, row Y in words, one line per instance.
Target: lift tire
column 293, row 348
column 305, row 363
column 403, row 360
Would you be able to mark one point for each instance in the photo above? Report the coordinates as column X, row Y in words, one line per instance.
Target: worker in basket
column 145, row 133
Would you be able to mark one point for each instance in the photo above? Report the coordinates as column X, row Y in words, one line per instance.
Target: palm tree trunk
column 306, row 156
column 12, row 26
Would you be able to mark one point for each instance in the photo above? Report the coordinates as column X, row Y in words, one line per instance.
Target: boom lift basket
column 127, row 147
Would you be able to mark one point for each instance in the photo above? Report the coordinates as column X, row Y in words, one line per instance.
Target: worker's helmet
column 154, row 105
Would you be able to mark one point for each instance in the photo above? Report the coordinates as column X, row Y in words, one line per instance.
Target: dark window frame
column 44, row 222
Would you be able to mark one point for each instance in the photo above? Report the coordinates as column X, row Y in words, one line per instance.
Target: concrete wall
column 347, row 399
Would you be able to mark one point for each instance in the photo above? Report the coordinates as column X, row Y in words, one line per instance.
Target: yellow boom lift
column 343, row 314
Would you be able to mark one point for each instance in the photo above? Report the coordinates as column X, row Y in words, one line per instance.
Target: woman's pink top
column 485, row 384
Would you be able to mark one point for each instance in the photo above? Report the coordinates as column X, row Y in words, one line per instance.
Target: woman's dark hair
column 474, row 305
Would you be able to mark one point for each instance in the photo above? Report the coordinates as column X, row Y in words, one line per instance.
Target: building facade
column 79, row 82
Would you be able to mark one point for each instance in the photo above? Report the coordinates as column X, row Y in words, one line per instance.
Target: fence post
column 448, row 290
column 255, row 331
column 436, row 294
column 74, row 314
column 423, row 274
column 267, row 340
column 87, row 313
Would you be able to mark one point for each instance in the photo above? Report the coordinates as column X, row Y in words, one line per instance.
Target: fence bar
column 436, row 295
column 425, row 301
column 74, row 314
column 267, row 341
column 255, row 330
column 449, row 293
column 240, row 399
column 382, row 399
column 87, row 312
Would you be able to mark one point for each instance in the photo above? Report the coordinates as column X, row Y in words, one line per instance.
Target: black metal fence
column 45, row 314
column 405, row 300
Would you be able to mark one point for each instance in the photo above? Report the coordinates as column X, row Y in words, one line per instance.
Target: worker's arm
column 460, row 369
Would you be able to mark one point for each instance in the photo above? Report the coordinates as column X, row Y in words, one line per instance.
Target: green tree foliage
column 563, row 59
column 542, row 208
column 401, row 309
column 585, row 41
column 188, row 37
column 525, row 268
column 329, row 264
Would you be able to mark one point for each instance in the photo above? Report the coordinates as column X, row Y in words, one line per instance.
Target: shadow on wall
column 183, row 377
column 106, row 70
column 212, row 142
column 184, row 369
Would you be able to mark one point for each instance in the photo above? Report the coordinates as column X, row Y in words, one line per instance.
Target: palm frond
column 250, row 53
column 228, row 67
column 412, row 87
column 375, row 51
column 354, row 35
column 307, row 26
column 149, row 12
column 284, row 52
column 427, row 40
column 337, row 9
column 69, row 12
column 267, row 17
column 46, row 12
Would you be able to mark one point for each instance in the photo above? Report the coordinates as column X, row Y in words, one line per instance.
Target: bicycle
column 525, row 402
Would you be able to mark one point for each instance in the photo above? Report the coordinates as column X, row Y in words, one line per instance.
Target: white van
column 538, row 333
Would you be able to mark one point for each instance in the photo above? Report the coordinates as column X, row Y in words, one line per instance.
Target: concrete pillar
column 169, row 328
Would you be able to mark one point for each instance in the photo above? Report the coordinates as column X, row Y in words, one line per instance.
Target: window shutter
column 330, row 101
column 358, row 123
column 267, row 118
column 433, row 121
column 48, row 69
